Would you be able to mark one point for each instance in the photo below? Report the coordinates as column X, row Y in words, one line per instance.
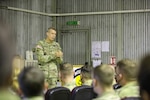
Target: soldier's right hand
column 59, row 54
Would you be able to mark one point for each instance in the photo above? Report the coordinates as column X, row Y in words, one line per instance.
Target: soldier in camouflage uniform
column 86, row 71
column 6, row 57
column 126, row 72
column 67, row 76
column 49, row 55
column 103, row 76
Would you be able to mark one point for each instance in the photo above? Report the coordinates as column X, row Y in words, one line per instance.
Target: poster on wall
column 113, row 60
column 96, row 62
column 105, row 46
column 96, row 49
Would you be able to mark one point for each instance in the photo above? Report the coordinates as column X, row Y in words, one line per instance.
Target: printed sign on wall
column 96, row 49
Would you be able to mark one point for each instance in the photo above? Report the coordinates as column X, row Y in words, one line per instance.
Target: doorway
column 75, row 45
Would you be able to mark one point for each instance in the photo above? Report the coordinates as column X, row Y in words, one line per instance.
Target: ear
column 81, row 75
column 59, row 74
column 47, row 33
column 62, row 77
column 120, row 75
column 73, row 72
column 95, row 82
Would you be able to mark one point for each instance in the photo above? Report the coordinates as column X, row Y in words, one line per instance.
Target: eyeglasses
column 116, row 74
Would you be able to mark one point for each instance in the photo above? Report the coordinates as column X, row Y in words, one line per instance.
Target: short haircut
column 86, row 71
column 128, row 68
column 6, row 54
column 31, row 81
column 51, row 28
column 16, row 61
column 66, row 68
column 104, row 74
column 144, row 74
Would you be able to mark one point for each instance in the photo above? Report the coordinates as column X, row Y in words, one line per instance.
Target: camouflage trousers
column 52, row 82
column 51, row 74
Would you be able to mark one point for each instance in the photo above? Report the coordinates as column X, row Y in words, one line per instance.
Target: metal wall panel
column 134, row 35
column 73, row 6
column 74, row 46
column 134, row 27
column 102, row 27
column 135, row 30
column 28, row 28
column 133, row 4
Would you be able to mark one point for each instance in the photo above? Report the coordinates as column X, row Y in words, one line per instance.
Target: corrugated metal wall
column 102, row 27
column 133, row 29
column 28, row 28
column 74, row 41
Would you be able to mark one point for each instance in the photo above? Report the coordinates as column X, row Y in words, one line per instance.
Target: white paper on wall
column 96, row 49
column 105, row 46
column 96, row 62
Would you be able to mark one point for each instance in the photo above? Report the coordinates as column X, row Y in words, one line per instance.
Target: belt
column 42, row 64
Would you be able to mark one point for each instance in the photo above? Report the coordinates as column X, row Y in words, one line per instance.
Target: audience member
column 144, row 78
column 126, row 76
column 6, row 56
column 67, row 75
column 17, row 67
column 31, row 82
column 86, row 78
column 103, row 76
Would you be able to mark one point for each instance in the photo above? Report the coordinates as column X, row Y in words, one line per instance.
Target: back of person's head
column 126, row 69
column 86, row 72
column 31, row 81
column 17, row 62
column 6, row 54
column 104, row 74
column 66, row 69
column 17, row 65
column 144, row 77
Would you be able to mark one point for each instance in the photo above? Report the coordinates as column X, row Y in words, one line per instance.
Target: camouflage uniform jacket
column 129, row 90
column 88, row 82
column 108, row 96
column 47, row 59
column 7, row 95
column 70, row 85
column 35, row 98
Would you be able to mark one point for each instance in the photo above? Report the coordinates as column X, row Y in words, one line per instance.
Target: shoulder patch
column 39, row 47
column 57, row 43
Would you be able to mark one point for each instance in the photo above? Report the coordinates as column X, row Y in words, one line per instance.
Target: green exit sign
column 73, row 23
